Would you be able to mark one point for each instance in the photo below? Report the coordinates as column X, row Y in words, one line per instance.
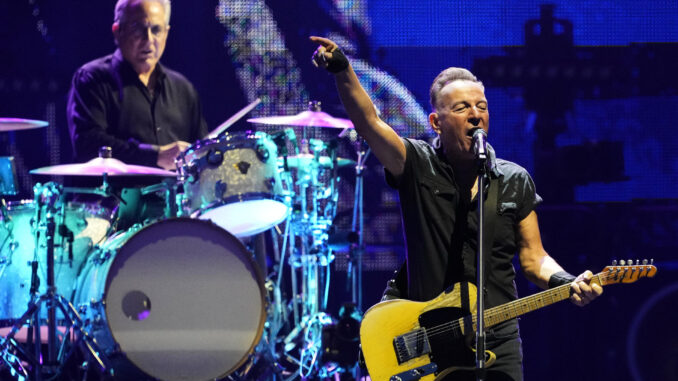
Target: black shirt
column 441, row 229
column 109, row 106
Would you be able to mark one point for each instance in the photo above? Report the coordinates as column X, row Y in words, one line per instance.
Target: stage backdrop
column 583, row 94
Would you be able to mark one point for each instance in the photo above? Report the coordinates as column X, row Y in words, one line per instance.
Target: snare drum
column 235, row 182
column 181, row 299
column 78, row 227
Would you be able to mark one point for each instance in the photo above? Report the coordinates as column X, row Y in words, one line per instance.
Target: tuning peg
column 614, row 262
column 645, row 261
column 637, row 262
column 622, row 262
column 630, row 262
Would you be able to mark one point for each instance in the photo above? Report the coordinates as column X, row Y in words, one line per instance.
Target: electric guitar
column 404, row 340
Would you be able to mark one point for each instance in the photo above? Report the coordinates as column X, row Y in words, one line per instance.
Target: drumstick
column 229, row 122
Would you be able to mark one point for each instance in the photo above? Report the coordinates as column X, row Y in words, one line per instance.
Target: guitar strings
column 455, row 326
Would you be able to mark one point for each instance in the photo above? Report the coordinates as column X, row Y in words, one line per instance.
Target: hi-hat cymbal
column 98, row 166
column 15, row 124
column 305, row 161
column 305, row 119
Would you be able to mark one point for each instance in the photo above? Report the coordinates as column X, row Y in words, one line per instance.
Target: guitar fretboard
column 527, row 304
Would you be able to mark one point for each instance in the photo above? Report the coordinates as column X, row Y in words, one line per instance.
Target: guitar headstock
column 627, row 271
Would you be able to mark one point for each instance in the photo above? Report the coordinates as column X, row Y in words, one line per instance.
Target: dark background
column 582, row 94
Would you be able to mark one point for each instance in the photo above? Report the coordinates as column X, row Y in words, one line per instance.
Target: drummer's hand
column 323, row 54
column 169, row 152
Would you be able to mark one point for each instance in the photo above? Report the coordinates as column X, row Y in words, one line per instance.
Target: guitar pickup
column 416, row 373
column 411, row 345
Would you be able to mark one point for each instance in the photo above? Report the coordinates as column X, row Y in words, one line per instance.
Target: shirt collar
column 126, row 68
column 491, row 162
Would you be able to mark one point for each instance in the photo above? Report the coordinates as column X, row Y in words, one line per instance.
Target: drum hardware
column 78, row 227
column 356, row 249
column 47, row 199
column 305, row 251
column 305, row 160
column 8, row 179
column 311, row 258
column 168, row 188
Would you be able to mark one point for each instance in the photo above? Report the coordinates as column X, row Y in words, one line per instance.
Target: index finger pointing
column 325, row 42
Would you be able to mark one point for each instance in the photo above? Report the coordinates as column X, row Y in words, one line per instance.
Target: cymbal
column 98, row 166
column 305, row 119
column 305, row 160
column 15, row 124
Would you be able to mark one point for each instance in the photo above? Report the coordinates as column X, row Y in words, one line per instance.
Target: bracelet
column 560, row 278
column 338, row 62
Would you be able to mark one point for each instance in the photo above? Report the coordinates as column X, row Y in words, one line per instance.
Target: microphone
column 479, row 143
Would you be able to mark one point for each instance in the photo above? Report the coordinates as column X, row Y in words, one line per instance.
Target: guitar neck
column 530, row 303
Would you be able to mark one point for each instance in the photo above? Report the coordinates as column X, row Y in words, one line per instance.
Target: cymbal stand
column 13, row 355
column 169, row 190
column 357, row 249
column 104, row 190
column 309, row 260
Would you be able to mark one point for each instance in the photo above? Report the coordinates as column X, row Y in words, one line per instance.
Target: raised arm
column 382, row 139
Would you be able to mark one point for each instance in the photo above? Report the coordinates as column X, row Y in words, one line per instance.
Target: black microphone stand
column 480, row 149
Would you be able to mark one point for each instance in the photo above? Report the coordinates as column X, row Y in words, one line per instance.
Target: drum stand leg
column 356, row 249
column 14, row 356
column 10, row 351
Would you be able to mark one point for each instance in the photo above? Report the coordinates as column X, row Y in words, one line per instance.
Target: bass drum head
column 184, row 300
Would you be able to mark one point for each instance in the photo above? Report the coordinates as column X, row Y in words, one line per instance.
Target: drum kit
column 186, row 295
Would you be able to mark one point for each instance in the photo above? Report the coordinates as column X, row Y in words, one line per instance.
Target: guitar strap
column 398, row 284
column 491, row 213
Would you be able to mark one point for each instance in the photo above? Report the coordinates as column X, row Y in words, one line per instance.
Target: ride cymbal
column 305, row 119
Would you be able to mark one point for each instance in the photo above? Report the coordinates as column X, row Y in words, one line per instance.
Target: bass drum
column 180, row 299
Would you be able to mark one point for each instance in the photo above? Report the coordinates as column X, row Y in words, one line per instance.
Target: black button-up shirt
column 109, row 106
column 441, row 228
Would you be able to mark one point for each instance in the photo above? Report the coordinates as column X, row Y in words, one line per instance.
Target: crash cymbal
column 305, row 161
column 98, row 166
column 305, row 119
column 15, row 124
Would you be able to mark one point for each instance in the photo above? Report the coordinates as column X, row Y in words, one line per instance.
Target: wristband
column 337, row 63
column 560, row 278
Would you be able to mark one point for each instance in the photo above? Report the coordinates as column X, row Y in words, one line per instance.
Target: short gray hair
column 449, row 75
column 122, row 5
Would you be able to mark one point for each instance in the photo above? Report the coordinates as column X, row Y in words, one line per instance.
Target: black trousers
column 504, row 340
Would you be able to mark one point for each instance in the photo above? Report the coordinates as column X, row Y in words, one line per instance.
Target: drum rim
column 101, row 211
column 248, row 258
column 241, row 197
column 229, row 140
